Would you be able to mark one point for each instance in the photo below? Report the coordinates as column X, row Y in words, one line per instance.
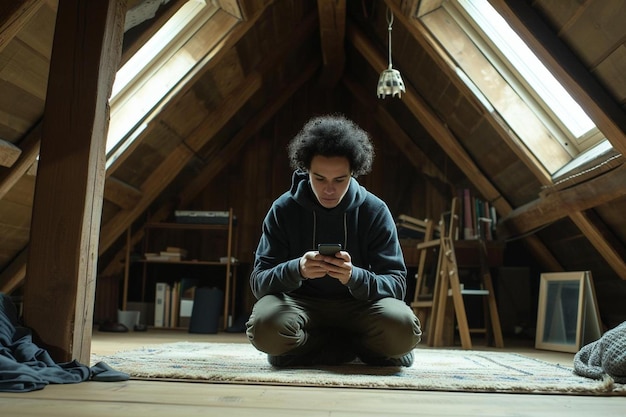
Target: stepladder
column 440, row 293
column 448, row 314
column 429, row 264
column 428, row 253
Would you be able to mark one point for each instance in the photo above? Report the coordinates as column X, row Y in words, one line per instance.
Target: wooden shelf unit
column 230, row 266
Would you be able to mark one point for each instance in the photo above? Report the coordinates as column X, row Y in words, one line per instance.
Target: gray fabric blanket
column 605, row 356
column 24, row 366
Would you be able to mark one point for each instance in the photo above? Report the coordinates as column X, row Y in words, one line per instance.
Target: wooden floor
column 156, row 399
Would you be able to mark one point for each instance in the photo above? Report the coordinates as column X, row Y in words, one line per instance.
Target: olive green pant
column 287, row 324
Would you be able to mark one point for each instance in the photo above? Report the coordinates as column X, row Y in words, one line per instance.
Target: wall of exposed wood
column 261, row 172
column 224, row 134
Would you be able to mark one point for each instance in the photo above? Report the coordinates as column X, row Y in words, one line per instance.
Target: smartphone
column 329, row 249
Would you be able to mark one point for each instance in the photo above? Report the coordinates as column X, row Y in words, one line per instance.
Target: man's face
column 330, row 179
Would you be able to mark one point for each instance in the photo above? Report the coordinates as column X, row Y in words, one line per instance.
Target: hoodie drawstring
column 345, row 229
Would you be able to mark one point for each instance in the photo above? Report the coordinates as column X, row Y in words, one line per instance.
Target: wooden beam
column 613, row 256
column 164, row 13
column 59, row 288
column 248, row 8
column 217, row 119
column 28, row 156
column 116, row 264
column 13, row 275
column 121, row 194
column 557, row 205
column 332, row 17
column 151, row 188
column 232, row 7
column 14, row 15
column 9, row 153
column 424, row 7
column 32, row 170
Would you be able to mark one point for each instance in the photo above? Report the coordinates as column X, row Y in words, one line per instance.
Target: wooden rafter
column 121, row 194
column 557, row 205
column 29, row 149
column 13, row 275
column 332, row 17
column 14, row 15
column 572, row 202
column 9, row 153
column 613, row 255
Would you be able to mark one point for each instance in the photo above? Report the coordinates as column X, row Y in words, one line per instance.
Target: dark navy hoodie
column 297, row 223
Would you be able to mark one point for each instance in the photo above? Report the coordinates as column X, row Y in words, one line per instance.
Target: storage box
column 203, row 217
column 129, row 318
column 186, row 308
column 146, row 315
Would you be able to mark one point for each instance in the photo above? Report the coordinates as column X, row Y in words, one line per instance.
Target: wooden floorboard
column 158, row 398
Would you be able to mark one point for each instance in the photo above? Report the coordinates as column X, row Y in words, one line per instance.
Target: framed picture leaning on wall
column 567, row 315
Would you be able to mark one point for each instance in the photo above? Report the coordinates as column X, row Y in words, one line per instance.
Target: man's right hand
column 312, row 265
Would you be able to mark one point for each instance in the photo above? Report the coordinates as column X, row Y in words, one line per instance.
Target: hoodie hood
column 302, row 193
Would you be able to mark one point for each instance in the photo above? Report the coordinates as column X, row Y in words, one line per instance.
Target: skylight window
column 511, row 81
column 530, row 67
column 146, row 79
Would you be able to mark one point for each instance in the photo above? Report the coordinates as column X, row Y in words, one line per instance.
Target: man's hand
column 313, row 265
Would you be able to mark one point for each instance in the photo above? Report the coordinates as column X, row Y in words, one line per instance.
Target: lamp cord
column 390, row 22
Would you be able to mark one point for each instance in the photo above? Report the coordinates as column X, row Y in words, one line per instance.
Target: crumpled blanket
column 605, row 356
column 24, row 366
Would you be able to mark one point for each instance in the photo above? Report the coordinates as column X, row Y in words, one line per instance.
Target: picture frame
column 567, row 314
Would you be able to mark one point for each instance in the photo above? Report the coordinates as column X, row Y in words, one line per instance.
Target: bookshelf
column 183, row 245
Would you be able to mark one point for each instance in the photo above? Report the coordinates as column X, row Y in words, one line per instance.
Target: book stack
column 477, row 219
column 410, row 227
column 173, row 303
column 171, row 253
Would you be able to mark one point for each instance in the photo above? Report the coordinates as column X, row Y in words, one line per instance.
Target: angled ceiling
column 269, row 52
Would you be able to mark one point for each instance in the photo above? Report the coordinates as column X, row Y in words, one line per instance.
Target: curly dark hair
column 332, row 135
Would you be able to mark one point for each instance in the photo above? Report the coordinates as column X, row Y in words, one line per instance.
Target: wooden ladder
column 429, row 251
column 450, row 285
column 431, row 304
column 423, row 297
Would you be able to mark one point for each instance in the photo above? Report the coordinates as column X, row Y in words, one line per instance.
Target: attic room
column 89, row 159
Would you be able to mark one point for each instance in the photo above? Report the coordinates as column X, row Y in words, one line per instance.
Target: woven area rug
column 433, row 370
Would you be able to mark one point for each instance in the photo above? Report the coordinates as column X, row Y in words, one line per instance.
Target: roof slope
column 269, row 52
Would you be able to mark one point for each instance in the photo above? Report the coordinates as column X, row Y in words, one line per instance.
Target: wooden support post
column 59, row 288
